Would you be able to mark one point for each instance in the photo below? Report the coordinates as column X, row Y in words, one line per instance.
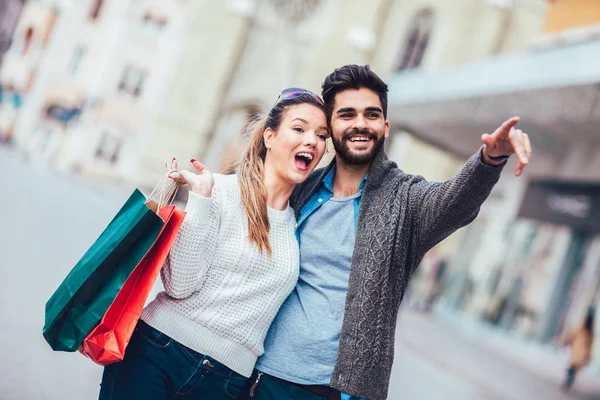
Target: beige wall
column 210, row 51
column 463, row 30
column 337, row 33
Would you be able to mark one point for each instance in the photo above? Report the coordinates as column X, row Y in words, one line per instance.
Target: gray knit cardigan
column 401, row 217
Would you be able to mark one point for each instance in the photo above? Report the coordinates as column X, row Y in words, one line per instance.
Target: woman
column 234, row 262
column 581, row 341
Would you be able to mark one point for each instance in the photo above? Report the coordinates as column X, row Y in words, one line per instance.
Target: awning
column 556, row 92
column 528, row 71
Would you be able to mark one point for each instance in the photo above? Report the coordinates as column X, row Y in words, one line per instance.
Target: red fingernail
column 173, row 158
column 193, row 161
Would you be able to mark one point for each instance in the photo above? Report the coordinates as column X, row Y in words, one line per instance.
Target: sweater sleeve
column 444, row 207
column 194, row 247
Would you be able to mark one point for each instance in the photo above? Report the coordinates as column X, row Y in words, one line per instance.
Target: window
column 151, row 21
column 108, row 148
column 132, row 81
column 27, row 41
column 75, row 62
column 96, row 9
column 416, row 41
column 46, row 139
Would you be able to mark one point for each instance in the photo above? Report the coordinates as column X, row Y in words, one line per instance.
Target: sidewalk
column 542, row 360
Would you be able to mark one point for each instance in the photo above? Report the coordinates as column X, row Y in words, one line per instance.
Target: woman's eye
column 298, row 129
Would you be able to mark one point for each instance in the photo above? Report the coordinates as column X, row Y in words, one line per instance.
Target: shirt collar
column 328, row 180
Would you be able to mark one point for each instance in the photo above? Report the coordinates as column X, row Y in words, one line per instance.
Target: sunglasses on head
column 294, row 93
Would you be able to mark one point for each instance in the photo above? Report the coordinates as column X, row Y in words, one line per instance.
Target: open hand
column 200, row 183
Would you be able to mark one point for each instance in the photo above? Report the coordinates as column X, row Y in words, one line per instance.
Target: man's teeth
column 359, row 139
column 308, row 156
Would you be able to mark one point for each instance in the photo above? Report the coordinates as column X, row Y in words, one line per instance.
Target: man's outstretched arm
column 443, row 207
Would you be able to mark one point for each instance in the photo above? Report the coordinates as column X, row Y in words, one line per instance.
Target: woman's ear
column 268, row 136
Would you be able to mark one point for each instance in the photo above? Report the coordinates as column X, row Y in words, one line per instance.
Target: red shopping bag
column 107, row 342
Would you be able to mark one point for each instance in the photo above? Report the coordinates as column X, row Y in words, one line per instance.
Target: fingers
column 525, row 156
column 522, row 147
column 198, row 165
column 174, row 173
column 527, row 142
column 486, row 138
column 172, row 166
column 177, row 177
column 504, row 129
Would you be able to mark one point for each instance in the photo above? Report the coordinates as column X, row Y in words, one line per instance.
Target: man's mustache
column 362, row 132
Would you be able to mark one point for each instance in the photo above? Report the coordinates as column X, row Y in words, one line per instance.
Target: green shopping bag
column 89, row 289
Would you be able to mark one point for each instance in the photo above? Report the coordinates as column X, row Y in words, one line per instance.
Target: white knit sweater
column 221, row 294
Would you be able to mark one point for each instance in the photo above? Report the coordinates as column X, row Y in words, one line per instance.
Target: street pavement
column 48, row 220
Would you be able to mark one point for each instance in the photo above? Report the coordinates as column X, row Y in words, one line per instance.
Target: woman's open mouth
column 303, row 160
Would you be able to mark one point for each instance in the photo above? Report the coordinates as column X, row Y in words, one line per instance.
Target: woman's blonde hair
column 251, row 170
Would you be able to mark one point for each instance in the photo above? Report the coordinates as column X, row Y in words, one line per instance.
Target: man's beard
column 343, row 151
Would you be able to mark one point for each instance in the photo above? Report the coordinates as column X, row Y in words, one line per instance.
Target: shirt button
column 320, row 200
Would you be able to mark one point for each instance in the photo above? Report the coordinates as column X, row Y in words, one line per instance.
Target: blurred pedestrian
column 232, row 265
column 581, row 340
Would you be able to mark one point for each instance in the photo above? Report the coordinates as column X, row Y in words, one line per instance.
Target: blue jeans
column 157, row 367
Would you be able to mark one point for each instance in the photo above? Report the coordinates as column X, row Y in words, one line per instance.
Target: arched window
column 417, row 39
column 28, row 40
column 96, row 9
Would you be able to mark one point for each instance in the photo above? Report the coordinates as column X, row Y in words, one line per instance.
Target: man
column 363, row 227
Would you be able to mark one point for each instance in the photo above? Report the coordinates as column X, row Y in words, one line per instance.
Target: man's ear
column 268, row 135
column 387, row 129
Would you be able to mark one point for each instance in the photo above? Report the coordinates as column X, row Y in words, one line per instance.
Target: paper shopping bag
column 107, row 341
column 90, row 288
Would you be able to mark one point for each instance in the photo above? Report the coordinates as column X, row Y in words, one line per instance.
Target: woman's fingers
column 198, row 165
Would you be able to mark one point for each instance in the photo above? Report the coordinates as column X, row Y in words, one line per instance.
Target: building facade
column 535, row 278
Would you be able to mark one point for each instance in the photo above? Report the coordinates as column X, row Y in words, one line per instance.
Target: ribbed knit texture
column 221, row 294
column 401, row 217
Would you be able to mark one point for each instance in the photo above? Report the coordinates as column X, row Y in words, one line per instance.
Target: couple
column 283, row 283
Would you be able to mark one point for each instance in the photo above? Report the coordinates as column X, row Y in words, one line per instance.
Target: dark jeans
column 157, row 367
column 270, row 388
column 570, row 378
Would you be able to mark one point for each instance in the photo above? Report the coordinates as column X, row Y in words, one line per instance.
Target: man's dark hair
column 353, row 77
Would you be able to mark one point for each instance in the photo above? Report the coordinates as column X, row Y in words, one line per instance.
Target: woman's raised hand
column 200, row 183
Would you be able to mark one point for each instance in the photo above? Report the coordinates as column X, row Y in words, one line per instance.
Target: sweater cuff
column 483, row 171
column 198, row 207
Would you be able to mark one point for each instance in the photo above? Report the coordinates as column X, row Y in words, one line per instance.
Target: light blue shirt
column 302, row 344
column 321, row 196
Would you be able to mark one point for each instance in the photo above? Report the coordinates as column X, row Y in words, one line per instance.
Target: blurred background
column 96, row 95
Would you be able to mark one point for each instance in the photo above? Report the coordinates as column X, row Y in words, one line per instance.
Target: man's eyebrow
column 351, row 109
column 345, row 109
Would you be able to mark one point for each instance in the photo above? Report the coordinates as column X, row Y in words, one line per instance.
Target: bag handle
column 165, row 190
